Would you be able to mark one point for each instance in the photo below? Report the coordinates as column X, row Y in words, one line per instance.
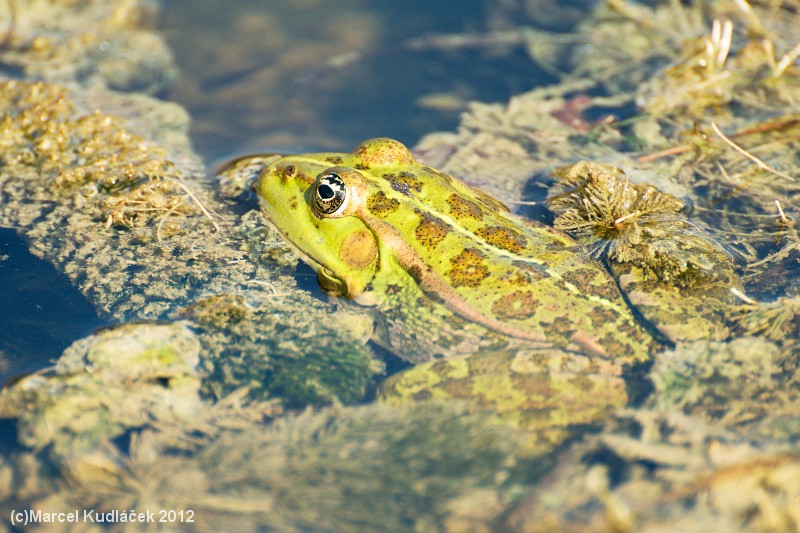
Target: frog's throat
column 351, row 289
column 432, row 283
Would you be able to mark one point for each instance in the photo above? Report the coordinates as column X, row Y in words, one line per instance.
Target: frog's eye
column 329, row 197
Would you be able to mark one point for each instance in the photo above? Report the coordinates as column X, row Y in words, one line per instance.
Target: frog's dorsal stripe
column 431, row 282
column 495, row 251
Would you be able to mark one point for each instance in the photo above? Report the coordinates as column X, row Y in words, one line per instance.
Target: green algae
column 156, row 247
column 247, row 345
column 125, row 377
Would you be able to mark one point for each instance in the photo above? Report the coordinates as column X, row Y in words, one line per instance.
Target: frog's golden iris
column 447, row 269
column 329, row 195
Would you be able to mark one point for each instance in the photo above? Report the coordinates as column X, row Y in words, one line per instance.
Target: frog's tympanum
column 448, row 271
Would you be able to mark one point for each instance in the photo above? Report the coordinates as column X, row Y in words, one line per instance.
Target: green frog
column 489, row 306
column 446, row 268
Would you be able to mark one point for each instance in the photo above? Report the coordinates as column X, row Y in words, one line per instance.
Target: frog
column 446, row 269
column 487, row 306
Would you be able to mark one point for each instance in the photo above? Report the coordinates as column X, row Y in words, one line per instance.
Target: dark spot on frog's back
column 593, row 282
column 462, row 208
column 380, row 205
column 517, row 305
column 334, row 160
column 502, row 237
column 430, row 231
column 468, row 269
column 404, row 182
column 293, row 203
column 601, row 317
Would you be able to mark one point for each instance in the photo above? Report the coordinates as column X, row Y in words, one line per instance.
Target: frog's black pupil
column 325, row 191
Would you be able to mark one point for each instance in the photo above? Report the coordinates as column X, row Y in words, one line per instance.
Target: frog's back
column 446, row 268
column 512, row 270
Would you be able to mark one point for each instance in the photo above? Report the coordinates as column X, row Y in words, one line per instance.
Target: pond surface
column 296, row 76
column 42, row 313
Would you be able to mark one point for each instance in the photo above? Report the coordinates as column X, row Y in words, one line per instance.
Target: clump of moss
column 712, row 377
column 124, row 179
column 123, row 378
column 747, row 57
column 301, row 361
column 331, row 371
column 749, row 385
column 638, row 224
column 222, row 310
column 777, row 321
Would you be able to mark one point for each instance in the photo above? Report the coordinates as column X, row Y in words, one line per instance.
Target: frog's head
column 314, row 200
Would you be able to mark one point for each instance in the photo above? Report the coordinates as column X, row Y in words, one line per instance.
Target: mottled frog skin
column 445, row 268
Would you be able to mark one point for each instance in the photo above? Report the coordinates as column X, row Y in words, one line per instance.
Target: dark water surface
column 298, row 76
column 42, row 312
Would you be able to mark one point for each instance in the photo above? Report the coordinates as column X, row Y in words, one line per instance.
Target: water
column 42, row 312
column 321, row 75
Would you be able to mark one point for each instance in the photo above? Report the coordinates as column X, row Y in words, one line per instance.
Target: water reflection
column 320, row 75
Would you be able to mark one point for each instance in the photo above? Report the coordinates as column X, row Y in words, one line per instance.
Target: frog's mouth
column 304, row 257
column 331, row 284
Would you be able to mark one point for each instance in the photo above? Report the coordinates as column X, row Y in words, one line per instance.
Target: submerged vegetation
column 623, row 222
